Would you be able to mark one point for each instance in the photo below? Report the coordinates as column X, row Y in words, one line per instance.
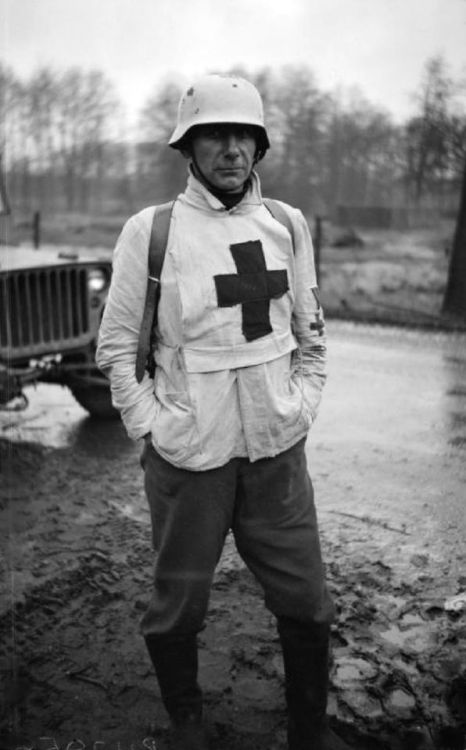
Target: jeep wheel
column 95, row 398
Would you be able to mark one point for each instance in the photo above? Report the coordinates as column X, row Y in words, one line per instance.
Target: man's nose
column 231, row 146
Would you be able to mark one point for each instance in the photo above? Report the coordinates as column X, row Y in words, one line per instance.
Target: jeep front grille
column 43, row 309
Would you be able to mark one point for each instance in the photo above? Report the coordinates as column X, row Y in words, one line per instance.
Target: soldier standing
column 239, row 368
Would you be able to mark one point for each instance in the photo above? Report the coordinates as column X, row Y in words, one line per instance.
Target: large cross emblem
column 252, row 287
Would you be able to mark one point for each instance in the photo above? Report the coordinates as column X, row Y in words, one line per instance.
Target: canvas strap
column 281, row 215
column 157, row 246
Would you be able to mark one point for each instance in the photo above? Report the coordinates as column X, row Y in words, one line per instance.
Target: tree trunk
column 455, row 295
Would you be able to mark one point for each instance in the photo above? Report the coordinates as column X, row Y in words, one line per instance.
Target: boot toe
column 330, row 741
column 190, row 734
column 324, row 739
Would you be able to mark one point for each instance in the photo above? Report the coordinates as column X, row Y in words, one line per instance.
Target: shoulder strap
column 281, row 215
column 157, row 247
column 159, row 238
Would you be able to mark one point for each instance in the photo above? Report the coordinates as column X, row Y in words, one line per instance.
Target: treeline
column 64, row 143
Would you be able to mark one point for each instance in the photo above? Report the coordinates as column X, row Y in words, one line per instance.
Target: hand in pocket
column 145, row 450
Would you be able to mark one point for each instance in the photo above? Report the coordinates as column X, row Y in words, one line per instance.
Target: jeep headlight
column 96, row 279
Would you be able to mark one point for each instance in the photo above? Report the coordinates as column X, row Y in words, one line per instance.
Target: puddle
column 52, row 411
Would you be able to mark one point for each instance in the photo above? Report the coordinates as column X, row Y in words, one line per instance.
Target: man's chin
column 230, row 184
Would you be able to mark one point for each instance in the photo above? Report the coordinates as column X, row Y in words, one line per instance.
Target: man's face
column 224, row 154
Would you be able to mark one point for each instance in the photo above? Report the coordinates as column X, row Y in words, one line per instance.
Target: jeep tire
column 95, row 398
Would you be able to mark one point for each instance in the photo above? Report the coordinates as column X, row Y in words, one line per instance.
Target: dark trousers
column 269, row 507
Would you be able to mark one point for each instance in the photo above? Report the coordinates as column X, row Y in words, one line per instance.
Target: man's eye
column 241, row 133
column 214, row 133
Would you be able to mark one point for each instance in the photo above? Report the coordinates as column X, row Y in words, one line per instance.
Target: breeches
column 269, row 507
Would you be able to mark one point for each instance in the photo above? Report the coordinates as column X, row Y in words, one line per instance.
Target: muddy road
column 388, row 460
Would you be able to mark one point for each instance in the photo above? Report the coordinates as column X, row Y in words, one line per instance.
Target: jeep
column 51, row 304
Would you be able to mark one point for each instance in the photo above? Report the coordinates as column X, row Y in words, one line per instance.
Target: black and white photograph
column 232, row 375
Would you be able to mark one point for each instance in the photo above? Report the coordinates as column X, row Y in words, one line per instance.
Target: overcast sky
column 379, row 46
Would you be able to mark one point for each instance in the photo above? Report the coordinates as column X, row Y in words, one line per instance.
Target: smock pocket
column 289, row 416
column 301, row 409
column 175, row 432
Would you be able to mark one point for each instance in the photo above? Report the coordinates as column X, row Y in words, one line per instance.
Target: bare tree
column 86, row 103
column 8, row 83
column 56, row 127
column 300, row 113
column 363, row 155
column 58, row 133
column 457, row 144
column 159, row 113
column 160, row 171
column 455, row 294
column 324, row 150
column 40, row 111
column 13, row 135
column 431, row 135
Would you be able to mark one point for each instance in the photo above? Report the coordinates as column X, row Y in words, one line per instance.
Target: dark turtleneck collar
column 230, row 199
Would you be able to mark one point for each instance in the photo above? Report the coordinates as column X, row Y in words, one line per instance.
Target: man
column 240, row 365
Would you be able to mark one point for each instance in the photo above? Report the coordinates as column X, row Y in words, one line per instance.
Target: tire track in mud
column 74, row 665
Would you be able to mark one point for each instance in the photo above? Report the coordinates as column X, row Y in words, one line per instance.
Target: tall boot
column 175, row 663
column 305, row 656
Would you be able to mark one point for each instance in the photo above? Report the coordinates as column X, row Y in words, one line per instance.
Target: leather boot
column 305, row 656
column 175, row 663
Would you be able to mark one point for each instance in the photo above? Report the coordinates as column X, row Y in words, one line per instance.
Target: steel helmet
column 220, row 99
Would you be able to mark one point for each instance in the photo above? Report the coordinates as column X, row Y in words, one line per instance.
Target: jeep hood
column 16, row 258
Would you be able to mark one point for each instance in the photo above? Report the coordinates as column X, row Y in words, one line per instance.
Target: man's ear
column 260, row 153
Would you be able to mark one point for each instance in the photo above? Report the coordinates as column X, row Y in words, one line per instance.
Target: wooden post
column 36, row 229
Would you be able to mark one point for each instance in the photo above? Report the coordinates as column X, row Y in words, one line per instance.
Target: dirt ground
column 75, row 673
